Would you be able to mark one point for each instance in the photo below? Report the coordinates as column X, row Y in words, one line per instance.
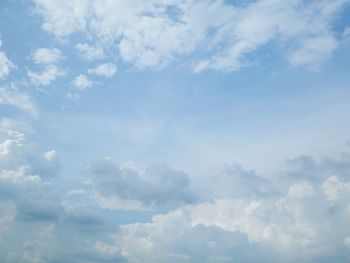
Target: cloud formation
column 107, row 70
column 89, row 52
column 221, row 35
column 306, row 222
column 152, row 187
column 11, row 95
column 82, row 82
column 49, row 59
column 5, row 64
column 301, row 215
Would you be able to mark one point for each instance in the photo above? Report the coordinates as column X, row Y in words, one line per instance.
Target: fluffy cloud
column 300, row 216
column 82, row 82
column 107, row 70
column 281, row 229
column 89, row 52
column 45, row 77
column 48, row 58
column 304, row 218
column 11, row 95
column 220, row 35
column 155, row 186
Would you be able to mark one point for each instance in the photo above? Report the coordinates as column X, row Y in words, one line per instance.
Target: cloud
column 7, row 216
column 301, row 215
column 32, row 217
column 107, row 70
column 82, row 82
column 171, row 238
column 89, row 52
column 313, row 51
column 5, row 64
column 45, row 77
column 346, row 32
column 211, row 34
column 152, row 187
column 303, row 219
column 281, row 229
column 48, row 58
column 20, row 163
column 235, row 181
column 11, row 95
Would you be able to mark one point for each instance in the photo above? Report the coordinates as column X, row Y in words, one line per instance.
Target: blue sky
column 174, row 131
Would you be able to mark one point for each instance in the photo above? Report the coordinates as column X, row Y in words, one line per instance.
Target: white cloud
column 45, row 77
column 11, row 95
column 46, row 56
column 82, row 82
column 49, row 59
column 301, row 190
column 89, row 52
column 5, row 64
column 107, row 70
column 303, row 221
column 313, row 51
column 152, row 34
column 334, row 187
column 278, row 229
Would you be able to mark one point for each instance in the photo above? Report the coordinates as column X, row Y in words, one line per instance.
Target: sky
column 170, row 131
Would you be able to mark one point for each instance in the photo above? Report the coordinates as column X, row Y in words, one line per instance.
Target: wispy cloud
column 11, row 95
column 5, row 64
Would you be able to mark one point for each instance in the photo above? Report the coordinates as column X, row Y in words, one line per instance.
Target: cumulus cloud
column 25, row 197
column 281, row 229
column 151, row 187
column 82, row 82
column 304, row 218
column 221, row 35
column 89, row 52
column 48, row 58
column 11, row 95
column 288, row 218
column 107, row 70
